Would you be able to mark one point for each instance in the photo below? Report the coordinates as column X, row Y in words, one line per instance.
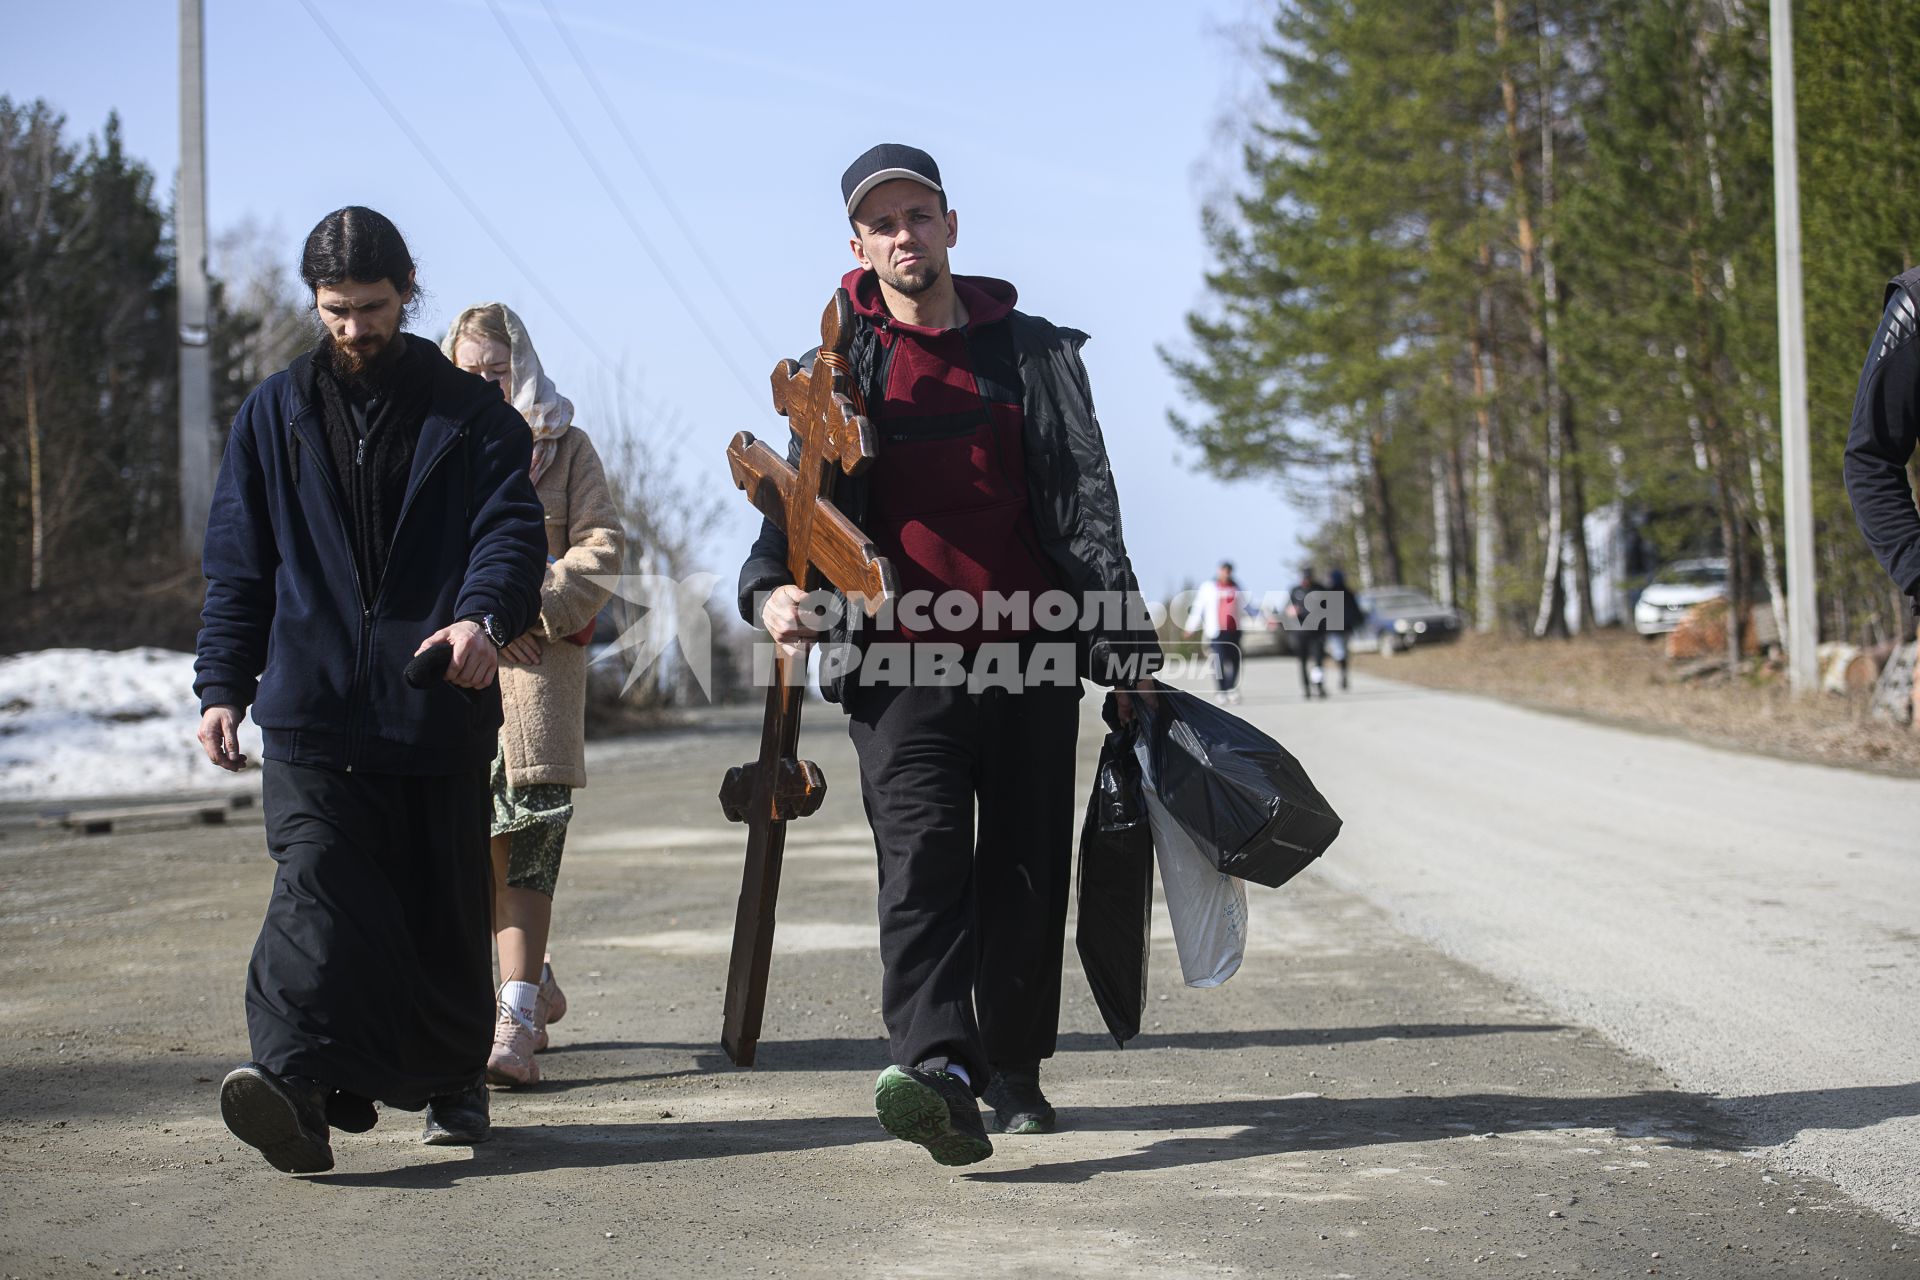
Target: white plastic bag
column 1208, row 907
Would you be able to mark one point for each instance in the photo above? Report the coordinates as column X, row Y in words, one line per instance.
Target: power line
column 460, row 193
column 747, row 387
column 660, row 188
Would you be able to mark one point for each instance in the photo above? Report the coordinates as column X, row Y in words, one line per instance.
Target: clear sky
column 1077, row 141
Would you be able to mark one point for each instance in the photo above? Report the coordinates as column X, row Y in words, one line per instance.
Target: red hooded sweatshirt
column 948, row 492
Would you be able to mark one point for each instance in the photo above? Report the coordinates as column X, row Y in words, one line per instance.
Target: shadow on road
column 853, row 1053
column 1332, row 1124
column 1261, row 1127
column 1174, row 1135
column 536, row 1148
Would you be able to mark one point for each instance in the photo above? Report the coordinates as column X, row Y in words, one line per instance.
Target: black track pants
column 971, row 925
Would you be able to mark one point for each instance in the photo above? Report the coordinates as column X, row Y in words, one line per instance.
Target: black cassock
column 373, row 972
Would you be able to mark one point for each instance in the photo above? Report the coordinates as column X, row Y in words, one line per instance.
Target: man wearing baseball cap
column 992, row 490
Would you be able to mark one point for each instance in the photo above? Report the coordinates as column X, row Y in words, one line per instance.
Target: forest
column 1493, row 295
column 89, row 384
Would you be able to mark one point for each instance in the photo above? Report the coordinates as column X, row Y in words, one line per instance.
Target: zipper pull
column 360, row 452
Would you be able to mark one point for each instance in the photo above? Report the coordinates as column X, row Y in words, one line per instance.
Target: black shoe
column 284, row 1116
column 1018, row 1105
column 935, row 1109
column 350, row 1113
column 458, row 1119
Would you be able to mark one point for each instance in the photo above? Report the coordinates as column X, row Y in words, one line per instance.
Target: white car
column 1677, row 588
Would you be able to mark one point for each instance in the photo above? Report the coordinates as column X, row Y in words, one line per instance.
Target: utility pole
column 1803, row 628
column 190, row 241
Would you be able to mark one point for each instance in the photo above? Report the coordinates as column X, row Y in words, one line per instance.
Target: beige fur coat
column 545, row 731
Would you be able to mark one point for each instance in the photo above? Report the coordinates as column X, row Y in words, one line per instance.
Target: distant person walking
column 1343, row 619
column 1307, row 620
column 1886, row 418
column 543, row 683
column 1216, row 612
column 373, row 503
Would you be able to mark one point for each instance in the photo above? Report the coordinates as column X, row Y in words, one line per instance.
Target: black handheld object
column 429, row 667
column 1244, row 799
column 1116, row 883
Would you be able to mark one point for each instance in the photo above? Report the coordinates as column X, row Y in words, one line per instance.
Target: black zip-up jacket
column 1886, row 421
column 288, row 629
column 1070, row 493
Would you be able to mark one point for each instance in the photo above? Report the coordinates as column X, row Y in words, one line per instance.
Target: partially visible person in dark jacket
column 1307, row 616
column 1343, row 619
column 992, row 482
column 1886, row 420
column 373, row 503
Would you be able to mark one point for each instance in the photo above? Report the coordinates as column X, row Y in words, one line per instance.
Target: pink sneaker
column 511, row 1062
column 551, row 1006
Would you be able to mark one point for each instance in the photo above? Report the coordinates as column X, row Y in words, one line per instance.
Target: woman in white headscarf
column 543, row 683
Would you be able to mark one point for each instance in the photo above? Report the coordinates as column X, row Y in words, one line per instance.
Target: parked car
column 1261, row 638
column 1397, row 618
column 1677, row 588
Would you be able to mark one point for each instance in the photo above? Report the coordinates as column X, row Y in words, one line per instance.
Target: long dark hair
column 358, row 243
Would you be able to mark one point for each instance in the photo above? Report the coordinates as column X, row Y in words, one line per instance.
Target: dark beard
column 909, row 288
column 373, row 373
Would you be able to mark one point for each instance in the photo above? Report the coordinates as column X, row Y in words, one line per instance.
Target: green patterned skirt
column 534, row 820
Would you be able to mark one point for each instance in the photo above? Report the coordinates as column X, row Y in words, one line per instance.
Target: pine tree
column 88, row 377
column 1859, row 111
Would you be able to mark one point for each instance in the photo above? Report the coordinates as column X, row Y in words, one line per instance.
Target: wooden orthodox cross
column 823, row 407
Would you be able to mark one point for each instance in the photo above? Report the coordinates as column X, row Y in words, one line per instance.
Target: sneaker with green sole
column 934, row 1109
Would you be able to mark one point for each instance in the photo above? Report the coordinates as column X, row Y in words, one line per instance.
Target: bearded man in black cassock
column 373, row 503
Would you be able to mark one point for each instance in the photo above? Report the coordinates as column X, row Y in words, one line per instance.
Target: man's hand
column 1123, row 699
column 525, row 650
column 781, row 617
column 475, row 660
column 220, row 737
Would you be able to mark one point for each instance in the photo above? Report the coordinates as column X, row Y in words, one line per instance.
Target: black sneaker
column 1018, row 1105
column 935, row 1109
column 350, row 1113
column 283, row 1116
column 458, row 1119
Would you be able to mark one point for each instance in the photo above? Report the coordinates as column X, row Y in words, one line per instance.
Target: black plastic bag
column 1116, row 885
column 1242, row 796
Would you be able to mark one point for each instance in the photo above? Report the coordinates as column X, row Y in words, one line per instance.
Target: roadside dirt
column 1625, row 680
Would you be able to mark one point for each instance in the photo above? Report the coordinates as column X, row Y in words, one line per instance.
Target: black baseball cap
column 884, row 163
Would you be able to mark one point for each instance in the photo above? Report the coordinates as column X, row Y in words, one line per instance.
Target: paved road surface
column 1751, row 925
column 1356, row 1102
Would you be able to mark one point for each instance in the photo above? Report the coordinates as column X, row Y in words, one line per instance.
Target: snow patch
column 87, row 723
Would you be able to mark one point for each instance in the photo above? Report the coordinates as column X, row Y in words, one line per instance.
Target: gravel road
column 1485, row 1037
